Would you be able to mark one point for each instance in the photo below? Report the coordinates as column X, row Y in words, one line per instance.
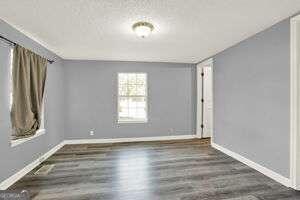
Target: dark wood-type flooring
column 185, row 170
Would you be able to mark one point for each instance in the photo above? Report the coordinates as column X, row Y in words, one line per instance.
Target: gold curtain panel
column 28, row 84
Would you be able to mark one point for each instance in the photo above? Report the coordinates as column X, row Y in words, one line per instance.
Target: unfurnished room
column 150, row 99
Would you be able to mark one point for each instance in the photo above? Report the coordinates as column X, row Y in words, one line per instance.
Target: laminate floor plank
column 176, row 170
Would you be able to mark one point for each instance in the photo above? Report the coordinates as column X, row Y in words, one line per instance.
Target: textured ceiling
column 185, row 30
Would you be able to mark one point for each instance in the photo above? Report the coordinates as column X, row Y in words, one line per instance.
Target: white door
column 199, row 102
column 205, row 99
column 208, row 102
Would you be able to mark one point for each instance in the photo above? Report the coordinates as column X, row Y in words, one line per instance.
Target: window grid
column 135, row 86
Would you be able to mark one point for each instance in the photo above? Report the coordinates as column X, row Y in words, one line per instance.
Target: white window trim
column 146, row 96
column 41, row 130
column 17, row 142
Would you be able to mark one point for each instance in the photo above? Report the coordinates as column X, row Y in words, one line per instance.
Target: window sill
column 132, row 122
column 17, row 142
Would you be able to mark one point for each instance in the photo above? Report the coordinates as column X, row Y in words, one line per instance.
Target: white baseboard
column 139, row 139
column 198, row 136
column 17, row 176
column 273, row 175
column 14, row 178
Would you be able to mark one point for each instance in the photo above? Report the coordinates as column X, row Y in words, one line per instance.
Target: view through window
column 132, row 97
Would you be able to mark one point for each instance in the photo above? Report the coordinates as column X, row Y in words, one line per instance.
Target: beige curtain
column 28, row 83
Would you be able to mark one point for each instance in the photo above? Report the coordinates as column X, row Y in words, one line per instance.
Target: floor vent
column 44, row 170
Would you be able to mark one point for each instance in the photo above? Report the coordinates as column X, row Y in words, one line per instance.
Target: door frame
column 295, row 103
column 208, row 62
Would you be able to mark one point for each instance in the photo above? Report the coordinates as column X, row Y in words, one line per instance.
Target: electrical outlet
column 171, row 131
column 92, row 132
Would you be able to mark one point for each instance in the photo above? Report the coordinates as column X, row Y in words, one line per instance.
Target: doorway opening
column 205, row 99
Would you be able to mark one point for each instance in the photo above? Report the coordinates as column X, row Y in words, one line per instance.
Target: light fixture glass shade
column 142, row 29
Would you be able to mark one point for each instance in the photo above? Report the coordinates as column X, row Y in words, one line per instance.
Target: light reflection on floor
column 133, row 171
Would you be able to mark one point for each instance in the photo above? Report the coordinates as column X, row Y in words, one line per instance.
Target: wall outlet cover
column 92, row 132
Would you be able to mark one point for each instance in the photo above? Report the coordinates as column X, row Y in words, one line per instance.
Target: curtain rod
column 13, row 43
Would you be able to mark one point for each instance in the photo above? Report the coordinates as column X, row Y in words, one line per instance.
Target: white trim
column 199, row 103
column 209, row 62
column 294, row 106
column 17, row 176
column 41, row 130
column 296, row 18
column 133, row 121
column 139, row 139
column 17, row 142
column 198, row 136
column 212, row 102
column 273, row 175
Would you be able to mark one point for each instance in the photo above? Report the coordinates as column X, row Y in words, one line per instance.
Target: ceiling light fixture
column 142, row 29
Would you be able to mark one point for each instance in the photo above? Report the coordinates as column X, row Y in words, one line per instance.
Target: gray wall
column 91, row 93
column 251, row 80
column 15, row 158
column 252, row 98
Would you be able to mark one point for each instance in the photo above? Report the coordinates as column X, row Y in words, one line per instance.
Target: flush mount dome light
column 142, row 29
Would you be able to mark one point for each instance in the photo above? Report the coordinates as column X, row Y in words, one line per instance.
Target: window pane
column 141, row 113
column 141, row 79
column 132, row 113
column 123, row 107
column 123, row 113
column 141, row 90
column 131, row 90
column 131, row 79
column 123, row 90
column 123, row 102
column 132, row 97
column 136, row 102
column 122, row 78
column 141, row 102
column 132, row 102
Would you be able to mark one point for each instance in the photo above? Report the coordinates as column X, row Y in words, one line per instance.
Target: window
column 41, row 130
column 132, row 97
